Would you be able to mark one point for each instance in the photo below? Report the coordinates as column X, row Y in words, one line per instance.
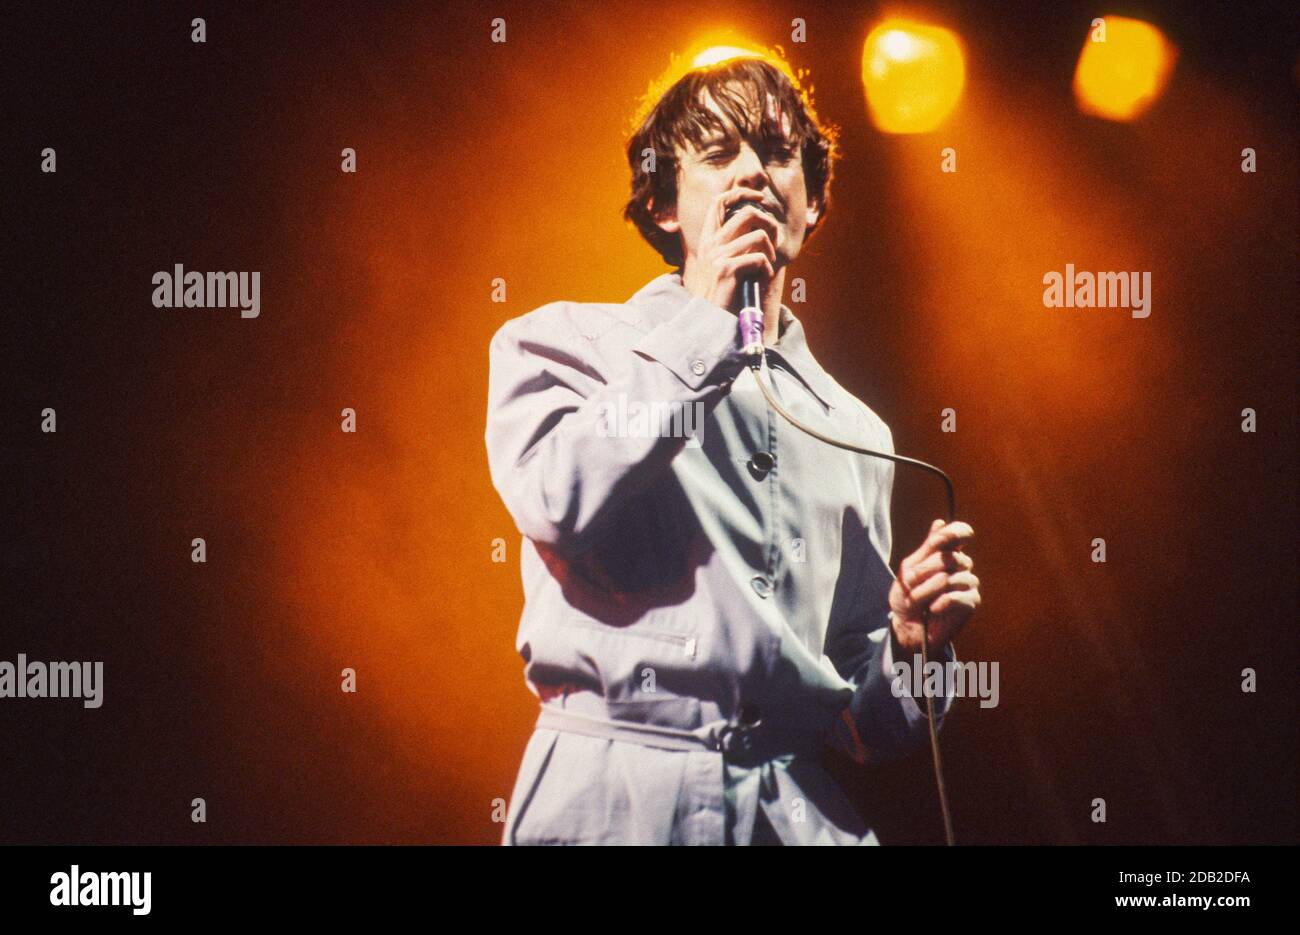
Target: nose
column 750, row 171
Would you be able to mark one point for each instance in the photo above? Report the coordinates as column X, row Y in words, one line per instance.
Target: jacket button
column 763, row 461
column 762, row 587
column 697, row 367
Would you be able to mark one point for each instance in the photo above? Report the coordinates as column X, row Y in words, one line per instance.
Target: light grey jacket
column 697, row 573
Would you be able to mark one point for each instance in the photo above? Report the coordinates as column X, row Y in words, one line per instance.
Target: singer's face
column 727, row 160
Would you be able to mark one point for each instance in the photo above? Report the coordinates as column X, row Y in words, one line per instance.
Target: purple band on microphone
column 751, row 328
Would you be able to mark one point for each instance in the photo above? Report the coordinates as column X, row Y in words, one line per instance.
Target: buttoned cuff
column 700, row 344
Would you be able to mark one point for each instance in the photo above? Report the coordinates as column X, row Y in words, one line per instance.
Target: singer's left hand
column 937, row 576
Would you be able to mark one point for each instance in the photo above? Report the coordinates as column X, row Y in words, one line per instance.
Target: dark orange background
column 479, row 161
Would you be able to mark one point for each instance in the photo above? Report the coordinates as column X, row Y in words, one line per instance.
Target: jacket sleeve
column 554, row 452
column 887, row 722
column 881, row 722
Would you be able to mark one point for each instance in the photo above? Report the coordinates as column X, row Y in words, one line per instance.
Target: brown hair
column 679, row 116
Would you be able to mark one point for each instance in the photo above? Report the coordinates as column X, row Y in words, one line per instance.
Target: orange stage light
column 716, row 54
column 705, row 54
column 1123, row 68
column 912, row 74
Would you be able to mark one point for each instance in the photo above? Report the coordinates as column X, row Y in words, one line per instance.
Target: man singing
column 708, row 602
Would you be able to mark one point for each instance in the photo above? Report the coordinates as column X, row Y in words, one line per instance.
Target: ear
column 814, row 213
column 666, row 219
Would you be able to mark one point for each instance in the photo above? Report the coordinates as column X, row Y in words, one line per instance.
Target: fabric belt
column 738, row 741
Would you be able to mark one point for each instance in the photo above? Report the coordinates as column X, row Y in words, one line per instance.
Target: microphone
column 751, row 311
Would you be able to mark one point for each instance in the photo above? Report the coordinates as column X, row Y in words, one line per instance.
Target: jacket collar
column 663, row 297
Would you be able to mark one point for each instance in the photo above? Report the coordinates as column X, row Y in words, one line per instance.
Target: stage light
column 705, row 54
column 717, row 54
column 912, row 74
column 1123, row 68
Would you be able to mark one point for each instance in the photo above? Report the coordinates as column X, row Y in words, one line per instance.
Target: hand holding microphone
column 737, row 251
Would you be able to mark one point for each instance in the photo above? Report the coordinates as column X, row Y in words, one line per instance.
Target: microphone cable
column 758, row 365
